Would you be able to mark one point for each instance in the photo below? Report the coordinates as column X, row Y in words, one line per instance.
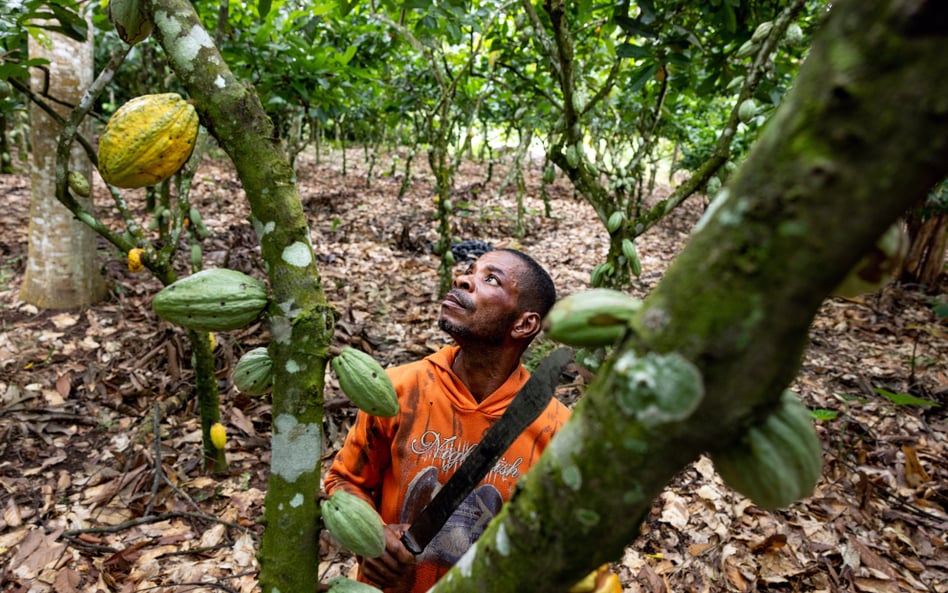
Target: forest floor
column 83, row 508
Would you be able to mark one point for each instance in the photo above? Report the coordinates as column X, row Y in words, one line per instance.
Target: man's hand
column 395, row 569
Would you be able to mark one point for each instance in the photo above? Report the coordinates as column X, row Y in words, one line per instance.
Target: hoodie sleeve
column 359, row 465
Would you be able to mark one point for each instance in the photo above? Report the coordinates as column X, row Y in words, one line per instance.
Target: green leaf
column 904, row 399
column 263, row 8
column 644, row 74
column 823, row 414
column 628, row 50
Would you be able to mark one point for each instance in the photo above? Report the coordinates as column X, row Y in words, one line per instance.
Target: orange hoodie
column 399, row 463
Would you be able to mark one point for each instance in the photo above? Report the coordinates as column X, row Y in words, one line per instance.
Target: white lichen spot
column 502, row 541
column 219, row 82
column 298, row 254
column 289, row 309
column 281, row 330
column 716, row 204
column 292, row 366
column 169, row 26
column 296, row 501
column 466, row 563
column 280, row 507
column 296, row 447
column 572, row 477
column 188, row 47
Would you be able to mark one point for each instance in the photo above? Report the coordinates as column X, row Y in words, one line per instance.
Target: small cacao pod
column 147, row 140
column 253, row 373
column 747, row 110
column 615, row 221
column 762, row 31
column 364, row 381
column 212, row 300
column 596, row 317
column 130, row 19
column 354, row 523
column 342, row 584
column 218, row 435
column 79, row 184
column 632, row 255
column 746, row 49
column 135, row 260
column 777, row 461
column 549, row 174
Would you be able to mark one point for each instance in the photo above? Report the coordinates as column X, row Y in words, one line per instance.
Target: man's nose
column 462, row 282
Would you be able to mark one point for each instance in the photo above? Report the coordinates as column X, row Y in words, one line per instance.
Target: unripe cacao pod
column 777, row 461
column 749, row 47
column 218, row 435
column 253, row 373
column 747, row 110
column 212, row 300
column 147, row 140
column 794, row 35
column 354, row 523
column 364, row 381
column 615, row 221
column 762, row 31
column 596, row 317
column 79, row 184
column 130, row 20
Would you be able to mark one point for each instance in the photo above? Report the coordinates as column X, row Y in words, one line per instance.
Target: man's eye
column 493, row 279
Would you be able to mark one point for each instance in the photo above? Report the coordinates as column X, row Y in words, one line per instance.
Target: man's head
column 502, row 297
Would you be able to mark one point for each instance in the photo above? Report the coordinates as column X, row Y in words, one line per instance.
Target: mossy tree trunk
column 300, row 320
column 842, row 159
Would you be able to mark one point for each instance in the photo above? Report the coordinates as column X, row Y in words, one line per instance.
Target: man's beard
column 463, row 332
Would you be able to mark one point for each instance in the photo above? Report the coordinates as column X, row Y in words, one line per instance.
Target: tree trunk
column 841, row 160
column 928, row 238
column 61, row 269
column 300, row 320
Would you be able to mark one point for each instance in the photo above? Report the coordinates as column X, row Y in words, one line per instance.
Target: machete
column 532, row 399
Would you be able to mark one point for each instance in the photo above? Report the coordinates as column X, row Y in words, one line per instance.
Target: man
column 448, row 401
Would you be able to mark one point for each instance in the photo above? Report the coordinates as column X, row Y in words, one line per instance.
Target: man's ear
column 526, row 326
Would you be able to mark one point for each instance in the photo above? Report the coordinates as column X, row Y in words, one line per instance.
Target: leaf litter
column 90, row 500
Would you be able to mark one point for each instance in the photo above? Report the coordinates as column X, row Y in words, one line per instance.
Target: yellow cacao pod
column 79, row 184
column 135, row 260
column 147, row 140
column 218, row 435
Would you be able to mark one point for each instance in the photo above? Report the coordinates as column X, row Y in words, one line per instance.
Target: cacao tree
column 722, row 334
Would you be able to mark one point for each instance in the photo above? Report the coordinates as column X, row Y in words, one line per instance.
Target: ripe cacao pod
column 147, row 140
column 253, row 373
column 218, row 435
column 596, row 317
column 130, row 19
column 212, row 300
column 364, row 381
column 135, row 260
column 342, row 584
column 354, row 523
column 601, row 580
column 777, row 461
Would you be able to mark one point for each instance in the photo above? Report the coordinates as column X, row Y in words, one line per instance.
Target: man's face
column 483, row 303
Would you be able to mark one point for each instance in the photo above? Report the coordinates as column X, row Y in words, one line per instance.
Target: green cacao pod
column 748, row 48
column 130, row 19
column 79, row 184
column 197, row 256
column 794, row 35
column 354, row 524
column 343, row 585
column 572, row 155
column 364, row 381
column 776, row 462
column 762, row 31
column 747, row 110
column 212, row 300
column 615, row 221
column 549, row 174
column 147, row 140
column 253, row 373
column 596, row 317
column 632, row 255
